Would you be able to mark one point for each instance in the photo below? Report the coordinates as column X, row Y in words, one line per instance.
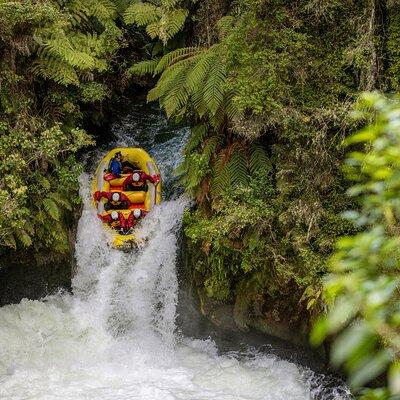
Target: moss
column 393, row 48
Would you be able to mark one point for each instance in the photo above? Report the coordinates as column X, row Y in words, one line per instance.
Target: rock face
column 246, row 312
column 21, row 277
column 24, row 274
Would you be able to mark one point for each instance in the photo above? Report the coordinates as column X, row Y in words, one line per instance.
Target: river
column 115, row 337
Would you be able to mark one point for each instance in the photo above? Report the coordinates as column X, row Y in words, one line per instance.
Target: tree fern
column 144, row 67
column 141, row 14
column 174, row 56
column 171, row 23
column 200, row 71
column 56, row 70
column 214, row 90
column 169, row 79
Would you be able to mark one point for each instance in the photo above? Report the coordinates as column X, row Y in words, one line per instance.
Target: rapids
column 115, row 336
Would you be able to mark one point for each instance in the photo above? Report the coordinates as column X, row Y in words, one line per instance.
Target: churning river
column 115, row 337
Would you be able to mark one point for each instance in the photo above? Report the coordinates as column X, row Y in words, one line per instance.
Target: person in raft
column 134, row 181
column 116, row 200
column 137, row 179
column 115, row 165
column 117, row 220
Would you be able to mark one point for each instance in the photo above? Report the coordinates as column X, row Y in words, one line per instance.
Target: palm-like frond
column 259, row 160
column 56, row 70
column 171, row 23
column 144, row 67
column 213, row 89
column 142, row 14
column 238, row 172
column 176, row 55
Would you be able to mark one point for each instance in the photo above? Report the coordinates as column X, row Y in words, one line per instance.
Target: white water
column 114, row 338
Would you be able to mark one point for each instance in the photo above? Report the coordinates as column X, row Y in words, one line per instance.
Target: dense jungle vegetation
column 269, row 88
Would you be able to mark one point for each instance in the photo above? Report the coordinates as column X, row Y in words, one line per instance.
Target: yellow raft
column 141, row 196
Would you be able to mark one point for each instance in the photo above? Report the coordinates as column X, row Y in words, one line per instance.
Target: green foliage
column 163, row 19
column 393, row 49
column 34, row 192
column 53, row 54
column 363, row 286
column 268, row 91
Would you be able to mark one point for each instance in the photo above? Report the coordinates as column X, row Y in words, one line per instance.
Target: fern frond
column 56, row 70
column 169, row 79
column 51, row 207
column 169, row 3
column 144, row 67
column 141, row 14
column 103, row 10
column 153, row 29
column 259, row 160
column 62, row 47
column 238, row 172
column 61, row 200
column 23, row 237
column 214, row 90
column 171, row 23
column 196, row 138
column 225, row 25
column 231, row 109
column 177, row 95
column 219, row 118
column 204, row 61
column 199, row 106
column 176, row 55
column 220, row 181
column 209, row 148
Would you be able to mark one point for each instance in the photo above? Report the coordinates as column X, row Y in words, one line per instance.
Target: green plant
column 54, row 55
column 162, row 19
column 362, row 289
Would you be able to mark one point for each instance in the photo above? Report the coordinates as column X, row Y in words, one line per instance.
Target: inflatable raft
column 126, row 186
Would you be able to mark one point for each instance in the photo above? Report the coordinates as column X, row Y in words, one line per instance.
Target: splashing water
column 114, row 338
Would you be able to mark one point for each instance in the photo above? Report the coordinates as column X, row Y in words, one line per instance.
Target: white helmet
column 137, row 213
column 115, row 196
column 136, row 177
column 114, row 215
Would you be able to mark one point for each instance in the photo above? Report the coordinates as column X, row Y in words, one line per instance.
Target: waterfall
column 114, row 337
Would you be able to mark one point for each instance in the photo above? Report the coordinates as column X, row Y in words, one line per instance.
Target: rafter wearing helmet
column 116, row 200
column 118, row 221
column 137, row 179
